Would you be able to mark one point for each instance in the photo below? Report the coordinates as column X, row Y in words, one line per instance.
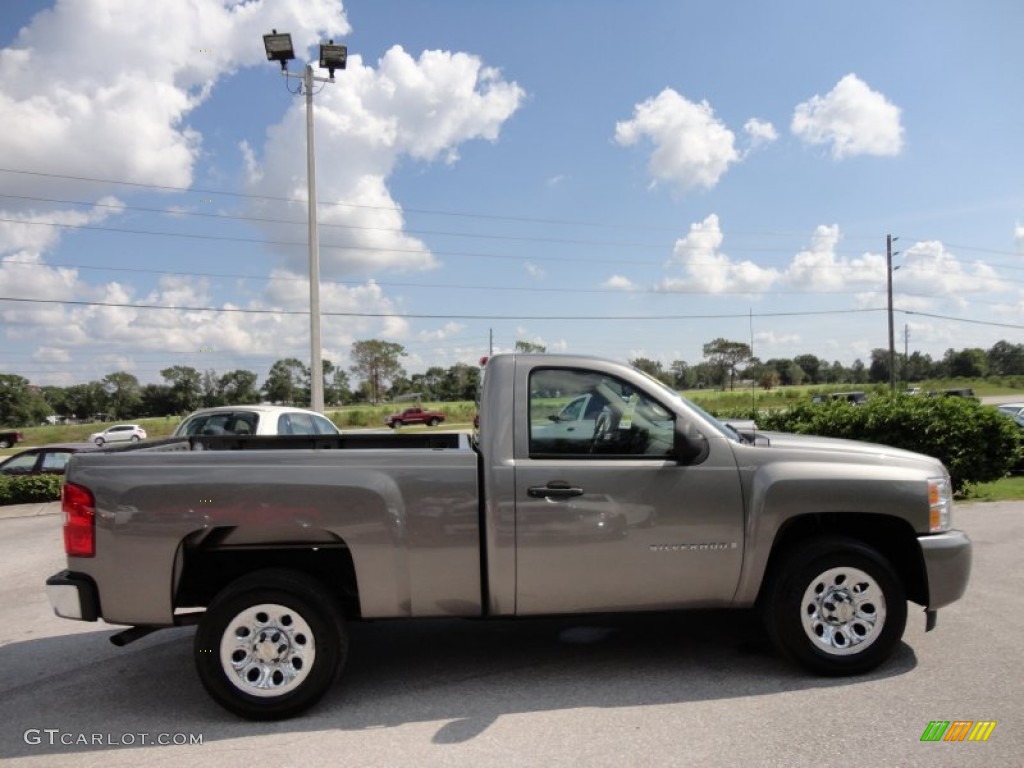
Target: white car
column 255, row 420
column 120, row 433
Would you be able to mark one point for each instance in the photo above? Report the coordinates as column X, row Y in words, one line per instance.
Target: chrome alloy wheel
column 843, row 611
column 267, row 650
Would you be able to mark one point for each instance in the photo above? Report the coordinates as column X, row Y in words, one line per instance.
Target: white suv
column 119, row 433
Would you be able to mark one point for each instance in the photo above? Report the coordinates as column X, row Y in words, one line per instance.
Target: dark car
column 8, row 438
column 854, row 398
column 965, row 392
column 44, row 460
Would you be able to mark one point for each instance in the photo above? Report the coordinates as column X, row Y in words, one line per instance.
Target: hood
column 851, row 451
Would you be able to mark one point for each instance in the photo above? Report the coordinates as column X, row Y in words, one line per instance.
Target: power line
column 394, row 208
column 460, row 286
column 439, row 316
column 426, row 211
column 959, row 319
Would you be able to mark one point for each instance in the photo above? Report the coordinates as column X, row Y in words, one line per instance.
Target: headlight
column 940, row 504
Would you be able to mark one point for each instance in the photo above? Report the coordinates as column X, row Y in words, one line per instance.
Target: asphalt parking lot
column 700, row 689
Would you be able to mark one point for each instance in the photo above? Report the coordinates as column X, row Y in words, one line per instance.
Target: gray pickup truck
column 640, row 502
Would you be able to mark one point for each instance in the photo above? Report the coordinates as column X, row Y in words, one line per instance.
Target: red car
column 7, row 439
column 414, row 416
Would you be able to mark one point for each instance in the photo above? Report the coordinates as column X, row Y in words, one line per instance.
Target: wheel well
column 206, row 570
column 892, row 537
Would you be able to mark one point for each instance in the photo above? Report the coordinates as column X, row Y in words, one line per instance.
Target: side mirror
column 689, row 446
column 554, row 417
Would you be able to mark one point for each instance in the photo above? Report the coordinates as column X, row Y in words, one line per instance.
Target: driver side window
column 580, row 413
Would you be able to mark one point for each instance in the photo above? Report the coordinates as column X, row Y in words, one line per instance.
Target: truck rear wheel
column 270, row 644
column 836, row 607
column 434, row 421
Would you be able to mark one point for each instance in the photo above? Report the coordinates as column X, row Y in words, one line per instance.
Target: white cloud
column 709, row 270
column 619, row 283
column 760, row 132
column 120, row 110
column 366, row 122
column 51, row 355
column 931, row 271
column 107, row 89
column 1018, row 237
column 773, row 339
column 851, row 117
column 534, row 271
column 692, row 148
column 820, row 268
column 439, row 334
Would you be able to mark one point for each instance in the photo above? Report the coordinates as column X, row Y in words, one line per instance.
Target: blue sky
column 595, row 177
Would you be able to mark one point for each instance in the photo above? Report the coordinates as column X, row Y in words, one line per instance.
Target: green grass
column 1007, row 489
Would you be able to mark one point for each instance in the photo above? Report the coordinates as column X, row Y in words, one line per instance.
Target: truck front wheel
column 270, row 644
column 836, row 607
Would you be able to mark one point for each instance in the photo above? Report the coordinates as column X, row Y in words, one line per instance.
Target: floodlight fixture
column 333, row 56
column 279, row 48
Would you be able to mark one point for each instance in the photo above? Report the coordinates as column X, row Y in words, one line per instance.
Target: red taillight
column 79, row 509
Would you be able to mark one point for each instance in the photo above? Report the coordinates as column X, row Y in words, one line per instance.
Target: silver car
column 119, row 433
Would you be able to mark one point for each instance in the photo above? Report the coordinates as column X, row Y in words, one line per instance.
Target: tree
column 918, row 367
column 376, row 363
column 288, row 382
column 529, row 346
column 1006, row 359
column 123, row 394
column 725, row 355
column 20, row 404
column 811, row 366
column 186, row 387
column 238, row 387
column 968, row 363
column 336, row 385
column 460, row 382
column 156, row 400
column 683, row 376
column 879, row 370
column 652, row 368
column 86, row 401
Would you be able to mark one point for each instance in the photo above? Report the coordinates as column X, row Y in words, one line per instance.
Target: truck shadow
column 463, row 675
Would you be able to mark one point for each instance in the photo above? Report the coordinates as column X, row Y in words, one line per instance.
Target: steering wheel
column 602, row 428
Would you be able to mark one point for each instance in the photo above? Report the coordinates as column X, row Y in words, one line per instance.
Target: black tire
column 835, row 606
column 99, row 441
column 287, row 614
column 396, row 423
column 135, row 438
column 434, row 421
column 4, row 444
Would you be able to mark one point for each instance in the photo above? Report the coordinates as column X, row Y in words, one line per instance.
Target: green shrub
column 976, row 443
column 29, row 489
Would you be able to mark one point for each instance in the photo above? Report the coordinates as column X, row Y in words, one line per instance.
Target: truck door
column 610, row 520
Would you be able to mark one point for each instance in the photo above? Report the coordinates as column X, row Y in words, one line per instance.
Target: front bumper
column 947, row 563
column 73, row 596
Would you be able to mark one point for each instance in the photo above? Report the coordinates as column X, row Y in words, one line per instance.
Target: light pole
column 332, row 57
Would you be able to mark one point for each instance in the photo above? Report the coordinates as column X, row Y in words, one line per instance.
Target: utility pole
column 490, row 344
column 892, row 336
